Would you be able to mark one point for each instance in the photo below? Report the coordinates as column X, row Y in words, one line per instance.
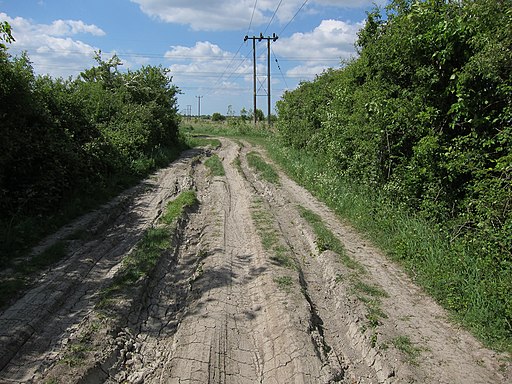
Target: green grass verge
column 215, row 165
column 238, row 130
column 265, row 170
column 453, row 274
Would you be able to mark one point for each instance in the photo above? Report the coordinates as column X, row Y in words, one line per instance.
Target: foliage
column 5, row 35
column 423, row 115
column 260, row 116
column 218, row 117
column 63, row 139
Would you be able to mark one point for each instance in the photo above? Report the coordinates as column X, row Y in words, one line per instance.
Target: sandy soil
column 224, row 306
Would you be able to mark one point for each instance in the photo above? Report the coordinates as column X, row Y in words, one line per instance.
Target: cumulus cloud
column 202, row 51
column 325, row 46
column 50, row 47
column 202, row 15
column 233, row 14
column 205, row 65
column 68, row 28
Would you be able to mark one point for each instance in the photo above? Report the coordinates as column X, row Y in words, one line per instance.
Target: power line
column 294, row 16
column 238, row 50
column 272, row 19
column 252, row 16
column 279, row 67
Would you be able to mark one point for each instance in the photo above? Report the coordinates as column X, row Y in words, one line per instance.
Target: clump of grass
column 326, row 240
column 405, row 345
column 146, row 255
column 238, row 164
column 77, row 351
column 370, row 290
column 284, row 282
column 265, row 170
column 176, row 207
column 215, row 165
column 371, row 296
column 264, row 223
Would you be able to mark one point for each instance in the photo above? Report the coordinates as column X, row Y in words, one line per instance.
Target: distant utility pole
column 189, row 111
column 260, row 38
column 199, row 106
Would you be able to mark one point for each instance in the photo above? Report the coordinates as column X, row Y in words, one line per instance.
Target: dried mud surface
column 243, row 295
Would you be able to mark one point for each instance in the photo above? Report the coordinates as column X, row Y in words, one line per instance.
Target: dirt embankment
column 245, row 294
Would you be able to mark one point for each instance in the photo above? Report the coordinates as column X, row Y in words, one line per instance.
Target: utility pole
column 253, row 72
column 199, row 106
column 260, row 38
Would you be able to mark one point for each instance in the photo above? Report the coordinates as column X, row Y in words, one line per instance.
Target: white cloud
column 50, row 47
column 202, row 15
column 68, row 28
column 202, row 51
column 325, row 46
column 205, row 65
column 233, row 14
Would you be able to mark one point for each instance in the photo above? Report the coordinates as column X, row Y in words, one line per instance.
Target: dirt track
column 221, row 307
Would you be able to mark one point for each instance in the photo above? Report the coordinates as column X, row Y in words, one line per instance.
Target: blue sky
column 201, row 41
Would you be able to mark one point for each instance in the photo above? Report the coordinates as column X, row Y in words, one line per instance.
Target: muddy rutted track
column 242, row 296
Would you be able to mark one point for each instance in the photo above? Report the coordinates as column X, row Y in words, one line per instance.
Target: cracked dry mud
column 224, row 306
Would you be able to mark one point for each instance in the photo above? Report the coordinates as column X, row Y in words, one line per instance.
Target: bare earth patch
column 244, row 294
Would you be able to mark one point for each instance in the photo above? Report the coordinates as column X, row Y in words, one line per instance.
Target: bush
column 63, row 138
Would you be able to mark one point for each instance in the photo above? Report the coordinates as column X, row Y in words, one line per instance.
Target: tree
column 218, row 117
column 260, row 116
column 243, row 114
column 230, row 113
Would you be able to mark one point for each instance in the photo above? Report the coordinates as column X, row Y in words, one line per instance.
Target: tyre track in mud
column 235, row 328
column 447, row 353
column 221, row 307
column 37, row 325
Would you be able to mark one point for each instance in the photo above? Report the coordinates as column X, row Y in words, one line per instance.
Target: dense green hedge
column 424, row 115
column 68, row 138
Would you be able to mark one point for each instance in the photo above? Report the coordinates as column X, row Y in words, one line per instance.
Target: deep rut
column 242, row 296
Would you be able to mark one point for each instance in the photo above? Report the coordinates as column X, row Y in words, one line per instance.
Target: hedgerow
column 423, row 116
